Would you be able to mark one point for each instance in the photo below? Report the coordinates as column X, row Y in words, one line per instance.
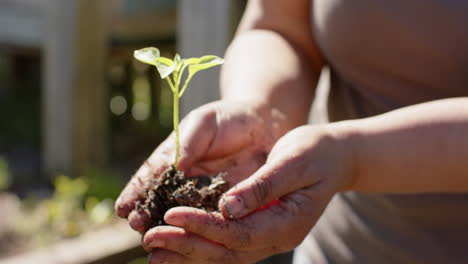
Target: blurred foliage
column 139, row 261
column 77, row 205
column 4, row 175
column 103, row 184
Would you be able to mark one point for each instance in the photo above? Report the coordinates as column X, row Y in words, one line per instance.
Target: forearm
column 262, row 67
column 273, row 60
column 421, row 148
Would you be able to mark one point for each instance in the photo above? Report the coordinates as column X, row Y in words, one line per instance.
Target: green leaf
column 147, row 55
column 198, row 64
column 165, row 66
column 203, row 63
column 152, row 56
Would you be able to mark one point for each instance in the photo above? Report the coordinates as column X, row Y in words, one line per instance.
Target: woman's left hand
column 268, row 213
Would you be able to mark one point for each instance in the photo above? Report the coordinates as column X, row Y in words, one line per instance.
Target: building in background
column 73, row 97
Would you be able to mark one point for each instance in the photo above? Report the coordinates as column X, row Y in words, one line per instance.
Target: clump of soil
column 172, row 189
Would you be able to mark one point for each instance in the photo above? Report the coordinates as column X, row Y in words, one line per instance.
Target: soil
column 172, row 189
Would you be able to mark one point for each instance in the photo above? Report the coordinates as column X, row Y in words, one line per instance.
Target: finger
column 270, row 182
column 255, row 256
column 215, row 225
column 162, row 256
column 212, row 132
column 282, row 225
column 146, row 248
column 234, row 131
column 198, row 130
column 236, row 167
column 132, row 192
column 139, row 221
column 136, row 187
column 187, row 244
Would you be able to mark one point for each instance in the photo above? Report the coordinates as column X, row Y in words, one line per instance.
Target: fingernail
column 234, row 206
column 156, row 243
column 118, row 206
column 174, row 220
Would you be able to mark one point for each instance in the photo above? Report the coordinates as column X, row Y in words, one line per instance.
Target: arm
column 273, row 60
column 421, row 148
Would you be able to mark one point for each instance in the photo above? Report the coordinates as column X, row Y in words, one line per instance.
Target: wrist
column 346, row 137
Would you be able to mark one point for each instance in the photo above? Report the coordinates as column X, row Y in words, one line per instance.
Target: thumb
column 272, row 181
column 197, row 133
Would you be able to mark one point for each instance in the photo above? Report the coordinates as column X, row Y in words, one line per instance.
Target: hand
column 304, row 170
column 232, row 137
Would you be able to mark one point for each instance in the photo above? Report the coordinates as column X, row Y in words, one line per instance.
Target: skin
column 290, row 170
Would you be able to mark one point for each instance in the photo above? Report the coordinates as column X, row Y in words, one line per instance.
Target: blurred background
column 78, row 115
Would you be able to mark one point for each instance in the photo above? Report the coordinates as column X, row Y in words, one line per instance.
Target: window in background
column 20, row 116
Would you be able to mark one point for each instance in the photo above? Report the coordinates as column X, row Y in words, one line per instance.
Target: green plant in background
column 77, row 204
column 63, row 207
column 173, row 72
column 103, row 183
column 139, row 261
column 4, row 175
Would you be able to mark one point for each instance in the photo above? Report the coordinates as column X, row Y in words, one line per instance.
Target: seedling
column 173, row 72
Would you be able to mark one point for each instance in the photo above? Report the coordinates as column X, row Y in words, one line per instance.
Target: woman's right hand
column 223, row 136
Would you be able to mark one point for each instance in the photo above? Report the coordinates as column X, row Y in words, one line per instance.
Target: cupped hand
column 224, row 136
column 267, row 213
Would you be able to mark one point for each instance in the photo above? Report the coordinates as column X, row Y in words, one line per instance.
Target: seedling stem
column 172, row 71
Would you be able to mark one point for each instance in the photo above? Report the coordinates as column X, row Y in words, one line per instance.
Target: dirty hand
column 269, row 212
column 232, row 137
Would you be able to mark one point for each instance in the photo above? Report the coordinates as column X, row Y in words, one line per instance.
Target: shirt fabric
column 385, row 55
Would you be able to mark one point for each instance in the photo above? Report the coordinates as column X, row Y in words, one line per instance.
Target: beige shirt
column 385, row 55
